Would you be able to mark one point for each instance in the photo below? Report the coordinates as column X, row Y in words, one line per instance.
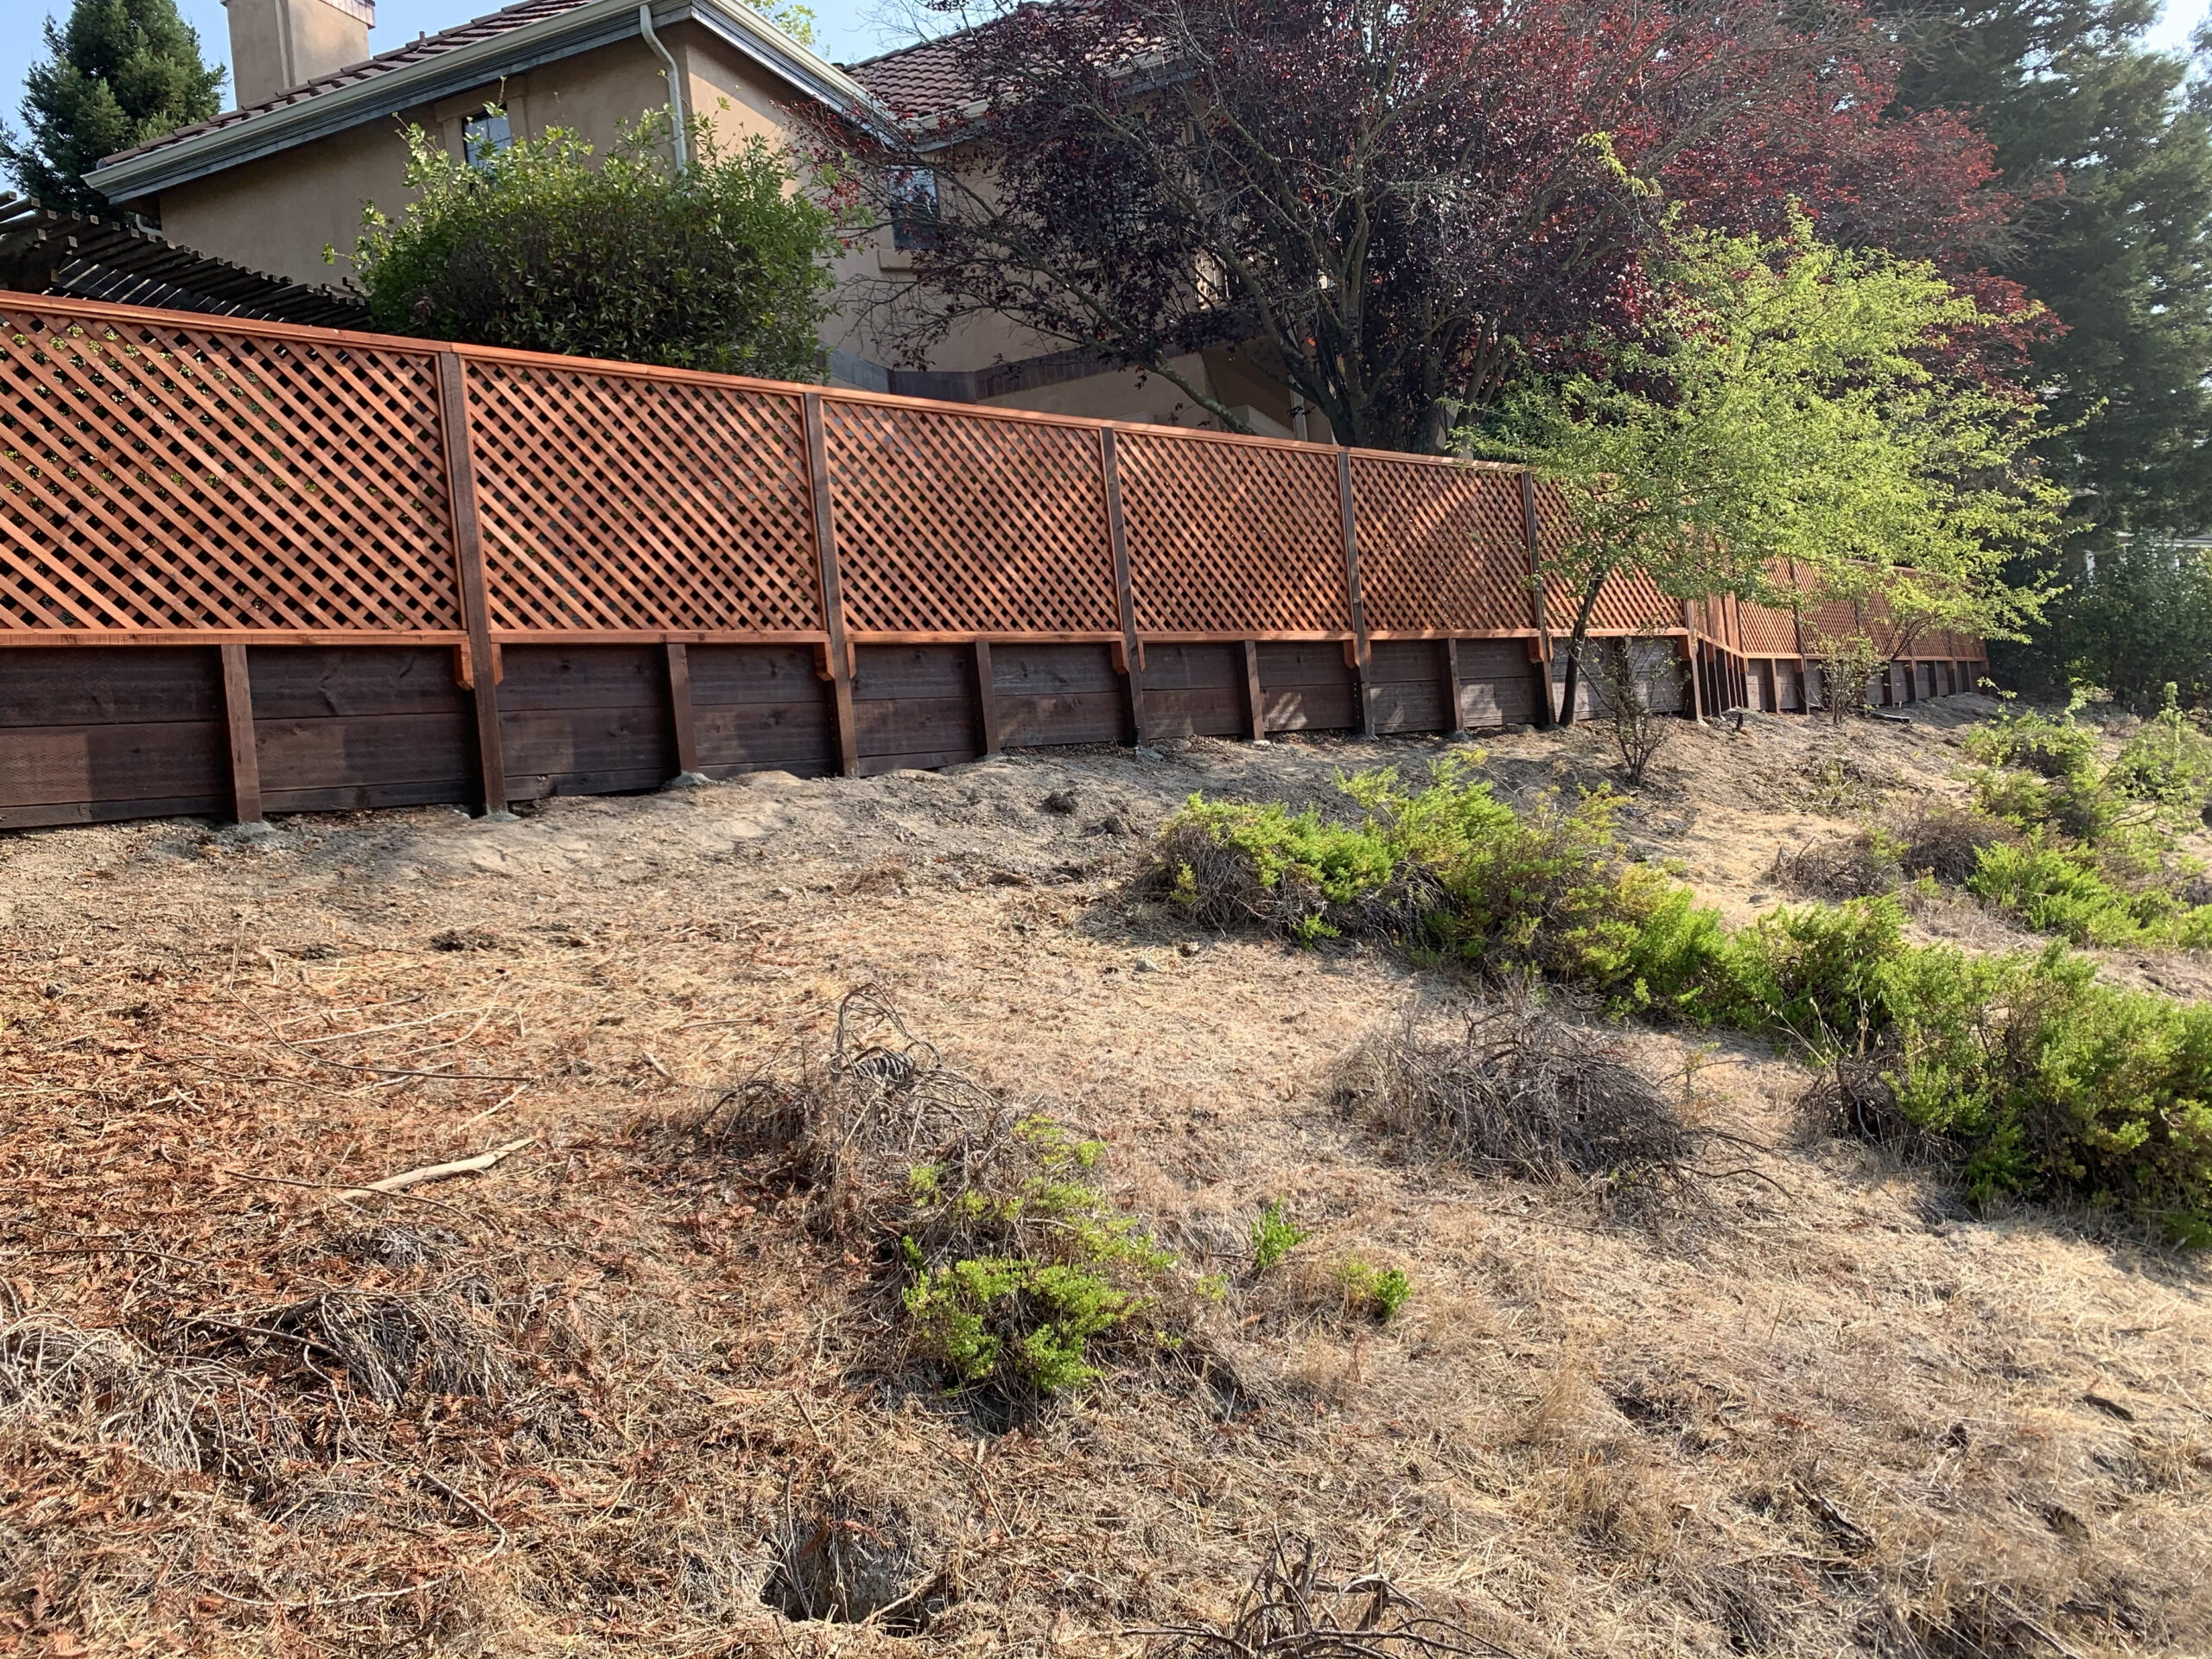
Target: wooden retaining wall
column 248, row 568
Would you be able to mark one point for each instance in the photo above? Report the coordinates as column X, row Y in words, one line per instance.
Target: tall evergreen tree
column 120, row 72
column 2111, row 153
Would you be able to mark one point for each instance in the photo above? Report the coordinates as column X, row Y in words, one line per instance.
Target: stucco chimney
column 276, row 44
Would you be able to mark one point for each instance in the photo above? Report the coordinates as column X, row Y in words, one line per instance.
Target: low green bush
column 1274, row 1235
column 1374, row 1292
column 1020, row 1265
column 2168, row 761
column 2045, row 1082
column 2068, row 891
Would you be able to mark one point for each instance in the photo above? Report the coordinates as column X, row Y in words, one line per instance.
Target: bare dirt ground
column 1827, row 1410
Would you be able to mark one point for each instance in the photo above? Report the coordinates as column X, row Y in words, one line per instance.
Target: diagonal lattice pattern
column 1440, row 548
column 159, row 475
column 1628, row 601
column 967, row 524
column 1233, row 537
column 612, row 501
column 1768, row 632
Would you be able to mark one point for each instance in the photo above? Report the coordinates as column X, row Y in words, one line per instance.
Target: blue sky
column 847, row 29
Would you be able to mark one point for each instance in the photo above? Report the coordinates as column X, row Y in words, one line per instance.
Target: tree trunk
column 1574, row 650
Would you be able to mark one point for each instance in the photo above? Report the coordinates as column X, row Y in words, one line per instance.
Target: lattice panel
column 614, row 502
column 963, row 523
column 1828, row 619
column 1768, row 633
column 154, row 476
column 1440, row 548
column 1233, row 537
column 1628, row 601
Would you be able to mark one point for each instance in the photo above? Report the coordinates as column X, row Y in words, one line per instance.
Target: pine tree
column 2111, row 153
column 121, row 72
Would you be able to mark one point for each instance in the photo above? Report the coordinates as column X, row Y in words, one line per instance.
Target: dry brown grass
column 626, row 1376
column 1526, row 1090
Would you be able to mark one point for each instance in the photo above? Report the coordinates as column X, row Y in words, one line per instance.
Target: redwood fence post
column 1696, row 666
column 237, row 710
column 1255, row 697
column 1542, row 672
column 833, row 602
column 1117, row 540
column 986, row 699
column 1350, row 516
column 683, row 720
column 468, row 556
column 1455, row 717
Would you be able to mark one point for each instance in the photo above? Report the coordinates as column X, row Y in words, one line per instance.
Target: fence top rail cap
column 202, row 323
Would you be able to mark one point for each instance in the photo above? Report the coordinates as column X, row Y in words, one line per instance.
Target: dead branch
column 480, row 1162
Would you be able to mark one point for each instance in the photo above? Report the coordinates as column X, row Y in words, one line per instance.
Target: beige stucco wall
column 278, row 213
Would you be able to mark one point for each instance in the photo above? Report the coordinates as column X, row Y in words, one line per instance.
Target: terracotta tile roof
column 430, row 45
column 916, row 81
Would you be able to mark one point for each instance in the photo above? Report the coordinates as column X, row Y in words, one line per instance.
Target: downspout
column 675, row 87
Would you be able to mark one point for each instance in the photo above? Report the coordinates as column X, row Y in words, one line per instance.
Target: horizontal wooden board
column 579, row 742
column 1048, row 670
column 1191, row 668
column 361, row 798
column 884, row 673
column 304, row 682
column 1404, row 661
column 1303, row 662
column 1411, row 707
column 1484, row 704
column 364, row 749
column 532, row 786
column 1495, row 659
column 1310, row 708
column 583, row 677
column 110, row 685
column 771, row 674
column 762, row 735
column 1072, row 717
column 815, row 768
column 1206, row 711
column 916, row 725
column 155, row 760
column 49, row 816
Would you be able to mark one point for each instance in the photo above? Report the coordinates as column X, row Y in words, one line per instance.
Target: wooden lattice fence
column 295, row 568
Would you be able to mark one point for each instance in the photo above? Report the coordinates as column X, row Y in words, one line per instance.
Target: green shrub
column 1019, row 1264
column 2032, row 742
column 1275, row 1235
column 1375, row 1293
column 2045, row 1083
column 544, row 246
column 2168, row 761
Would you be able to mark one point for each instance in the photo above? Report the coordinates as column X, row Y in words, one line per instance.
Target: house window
column 483, row 135
column 914, row 209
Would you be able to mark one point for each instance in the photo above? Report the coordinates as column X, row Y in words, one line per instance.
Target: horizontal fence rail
column 302, row 569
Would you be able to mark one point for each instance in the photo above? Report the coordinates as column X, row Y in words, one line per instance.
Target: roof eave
column 448, row 72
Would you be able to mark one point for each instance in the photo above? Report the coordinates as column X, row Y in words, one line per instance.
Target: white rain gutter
column 675, row 87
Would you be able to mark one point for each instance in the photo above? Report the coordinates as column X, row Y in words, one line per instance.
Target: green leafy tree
column 2111, row 156
column 721, row 266
column 798, row 22
column 2136, row 619
column 1782, row 404
column 120, row 72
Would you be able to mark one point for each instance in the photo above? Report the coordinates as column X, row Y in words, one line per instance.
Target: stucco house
column 319, row 132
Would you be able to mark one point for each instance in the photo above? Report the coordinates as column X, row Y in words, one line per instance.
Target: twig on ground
column 405, row 1179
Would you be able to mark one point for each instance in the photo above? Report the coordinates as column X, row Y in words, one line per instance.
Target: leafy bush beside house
column 720, row 266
